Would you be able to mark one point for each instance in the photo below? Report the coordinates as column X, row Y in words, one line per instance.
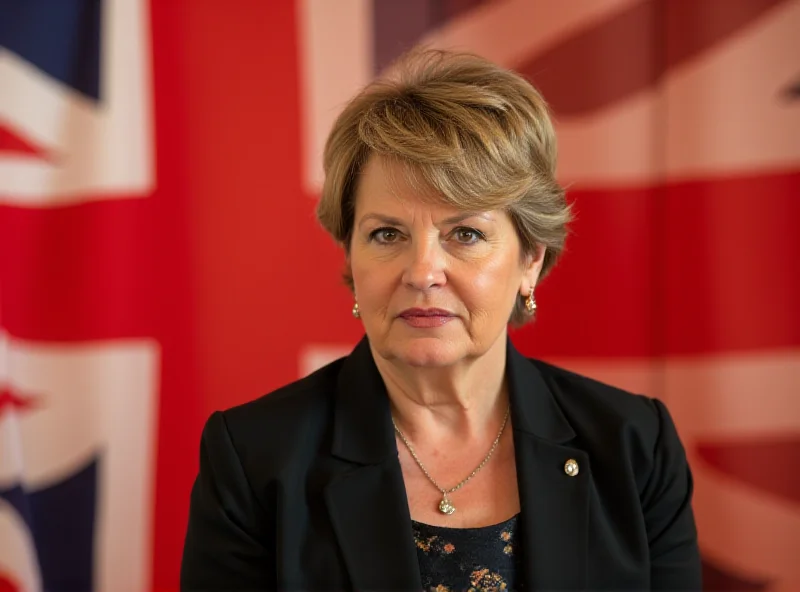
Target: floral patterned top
column 481, row 559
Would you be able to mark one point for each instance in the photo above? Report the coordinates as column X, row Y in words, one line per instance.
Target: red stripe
column 696, row 267
column 180, row 413
column 237, row 142
column 729, row 260
column 701, row 266
column 82, row 272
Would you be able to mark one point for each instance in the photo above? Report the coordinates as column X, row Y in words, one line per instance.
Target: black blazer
column 302, row 489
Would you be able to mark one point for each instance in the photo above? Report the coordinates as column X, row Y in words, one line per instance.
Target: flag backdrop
column 159, row 163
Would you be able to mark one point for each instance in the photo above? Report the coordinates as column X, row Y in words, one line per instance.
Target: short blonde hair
column 477, row 135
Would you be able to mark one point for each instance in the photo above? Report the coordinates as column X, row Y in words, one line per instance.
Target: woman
column 435, row 456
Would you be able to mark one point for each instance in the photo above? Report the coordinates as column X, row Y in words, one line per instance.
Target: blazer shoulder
column 584, row 398
column 619, row 427
column 632, row 438
column 275, row 428
column 290, row 401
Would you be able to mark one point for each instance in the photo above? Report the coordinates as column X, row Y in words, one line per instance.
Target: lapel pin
column 571, row 467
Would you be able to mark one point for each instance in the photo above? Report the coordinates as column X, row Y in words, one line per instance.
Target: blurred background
column 159, row 256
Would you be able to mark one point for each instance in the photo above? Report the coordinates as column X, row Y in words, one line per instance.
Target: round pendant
column 445, row 507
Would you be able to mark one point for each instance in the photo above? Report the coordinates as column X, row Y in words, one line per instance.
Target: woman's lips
column 426, row 317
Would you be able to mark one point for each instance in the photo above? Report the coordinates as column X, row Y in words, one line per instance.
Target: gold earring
column 530, row 303
column 356, row 313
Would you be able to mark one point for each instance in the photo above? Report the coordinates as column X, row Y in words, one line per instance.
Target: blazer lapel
column 366, row 499
column 555, row 506
column 370, row 516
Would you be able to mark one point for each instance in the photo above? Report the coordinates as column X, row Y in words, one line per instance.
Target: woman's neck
column 463, row 400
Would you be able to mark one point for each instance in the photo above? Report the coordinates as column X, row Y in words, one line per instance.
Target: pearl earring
column 356, row 313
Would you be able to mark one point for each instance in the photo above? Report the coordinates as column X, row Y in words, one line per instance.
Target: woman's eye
column 467, row 236
column 384, row 235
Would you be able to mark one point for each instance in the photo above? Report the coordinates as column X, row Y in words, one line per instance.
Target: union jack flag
column 78, row 380
column 159, row 259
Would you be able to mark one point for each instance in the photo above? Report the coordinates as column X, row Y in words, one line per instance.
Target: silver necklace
column 445, row 505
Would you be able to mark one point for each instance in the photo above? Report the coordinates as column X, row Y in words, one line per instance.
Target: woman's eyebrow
column 383, row 219
column 380, row 218
column 461, row 217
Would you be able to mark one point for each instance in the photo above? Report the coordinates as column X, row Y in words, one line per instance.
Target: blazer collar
column 363, row 431
column 367, row 503
column 533, row 406
column 555, row 508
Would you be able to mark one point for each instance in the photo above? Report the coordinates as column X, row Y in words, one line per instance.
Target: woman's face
column 434, row 285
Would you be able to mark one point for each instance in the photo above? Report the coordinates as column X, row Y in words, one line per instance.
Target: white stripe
column 314, row 356
column 746, row 394
column 336, row 61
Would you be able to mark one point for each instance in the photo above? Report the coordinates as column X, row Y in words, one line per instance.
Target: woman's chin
column 425, row 352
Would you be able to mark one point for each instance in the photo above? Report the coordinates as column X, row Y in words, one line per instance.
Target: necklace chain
column 470, row 476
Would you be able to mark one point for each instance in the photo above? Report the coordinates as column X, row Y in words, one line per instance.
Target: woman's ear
column 347, row 272
column 532, row 268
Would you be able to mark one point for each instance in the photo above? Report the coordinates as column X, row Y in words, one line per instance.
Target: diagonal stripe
column 10, row 400
column 398, row 26
column 11, row 143
column 511, row 31
column 767, row 465
column 685, row 127
column 648, row 38
column 718, row 578
column 101, row 150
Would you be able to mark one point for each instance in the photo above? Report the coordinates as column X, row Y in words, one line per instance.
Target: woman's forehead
column 391, row 186
column 382, row 177
column 382, row 202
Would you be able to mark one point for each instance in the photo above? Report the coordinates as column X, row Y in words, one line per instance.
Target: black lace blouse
column 481, row 559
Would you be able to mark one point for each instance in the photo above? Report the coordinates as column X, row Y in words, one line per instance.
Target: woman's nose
column 425, row 266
